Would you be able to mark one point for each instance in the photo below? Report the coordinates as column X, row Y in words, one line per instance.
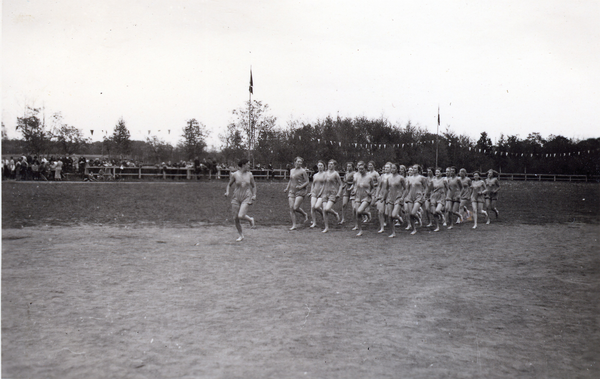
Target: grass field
column 144, row 280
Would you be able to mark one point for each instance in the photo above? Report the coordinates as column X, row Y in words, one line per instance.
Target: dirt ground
column 510, row 299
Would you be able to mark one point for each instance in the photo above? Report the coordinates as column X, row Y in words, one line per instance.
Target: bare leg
column 291, row 202
column 439, row 212
column 495, row 209
column 327, row 209
column 235, row 210
column 242, row 215
column 344, row 205
column 318, row 207
column 297, row 202
column 381, row 216
column 488, row 206
column 395, row 215
column 313, row 202
column 414, row 217
column 474, row 206
column 362, row 209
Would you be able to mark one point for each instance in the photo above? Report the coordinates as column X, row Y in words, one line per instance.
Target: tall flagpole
column 437, row 141
column 251, row 127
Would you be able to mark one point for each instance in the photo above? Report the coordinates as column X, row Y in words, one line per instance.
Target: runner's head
column 243, row 162
column 331, row 164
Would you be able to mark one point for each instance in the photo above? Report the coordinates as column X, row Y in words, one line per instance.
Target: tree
column 33, row 130
column 243, row 133
column 69, row 138
column 158, row 150
column 194, row 139
column 120, row 140
column 484, row 142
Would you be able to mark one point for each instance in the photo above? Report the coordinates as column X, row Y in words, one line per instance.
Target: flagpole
column 437, row 141
column 251, row 147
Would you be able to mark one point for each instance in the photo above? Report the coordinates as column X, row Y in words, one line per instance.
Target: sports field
column 145, row 280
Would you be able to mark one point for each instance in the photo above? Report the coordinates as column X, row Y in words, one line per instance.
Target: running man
column 437, row 197
column 417, row 187
column 347, row 192
column 427, row 205
column 374, row 175
column 297, row 189
column 394, row 190
column 244, row 194
column 316, row 191
column 363, row 192
column 477, row 197
column 465, row 194
column 380, row 192
column 492, row 186
column 331, row 192
column 452, row 196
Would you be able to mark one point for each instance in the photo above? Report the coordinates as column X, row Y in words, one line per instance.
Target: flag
column 438, row 116
column 251, row 88
column 92, row 132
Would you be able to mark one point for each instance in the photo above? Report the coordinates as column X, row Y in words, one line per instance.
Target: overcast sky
column 512, row 67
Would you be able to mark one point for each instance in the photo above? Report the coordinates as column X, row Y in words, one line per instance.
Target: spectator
column 35, row 170
column 58, row 170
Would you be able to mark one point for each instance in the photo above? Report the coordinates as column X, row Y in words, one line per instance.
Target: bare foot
column 437, row 229
column 381, row 230
column 359, row 233
column 313, row 225
column 408, row 227
column 392, row 235
column 325, row 230
column 475, row 226
column 293, row 227
column 450, row 227
column 252, row 222
column 355, row 228
column 239, row 239
column 413, row 232
column 487, row 222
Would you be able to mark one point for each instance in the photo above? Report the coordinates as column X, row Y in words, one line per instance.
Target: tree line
column 254, row 133
column 361, row 138
column 58, row 138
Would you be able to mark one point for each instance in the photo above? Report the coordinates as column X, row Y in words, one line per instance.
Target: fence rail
column 544, row 177
column 188, row 173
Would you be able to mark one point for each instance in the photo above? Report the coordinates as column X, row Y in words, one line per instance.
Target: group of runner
column 400, row 195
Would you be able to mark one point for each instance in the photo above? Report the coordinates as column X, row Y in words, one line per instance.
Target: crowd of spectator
column 58, row 168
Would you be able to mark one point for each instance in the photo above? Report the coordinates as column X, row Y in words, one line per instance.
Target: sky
column 509, row 67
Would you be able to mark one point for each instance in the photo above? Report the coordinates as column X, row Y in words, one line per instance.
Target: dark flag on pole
column 251, row 88
column 438, row 116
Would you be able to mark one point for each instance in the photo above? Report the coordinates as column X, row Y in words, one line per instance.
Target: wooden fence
column 188, row 173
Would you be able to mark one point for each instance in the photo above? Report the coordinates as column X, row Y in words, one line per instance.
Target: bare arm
column 231, row 181
column 253, row 184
